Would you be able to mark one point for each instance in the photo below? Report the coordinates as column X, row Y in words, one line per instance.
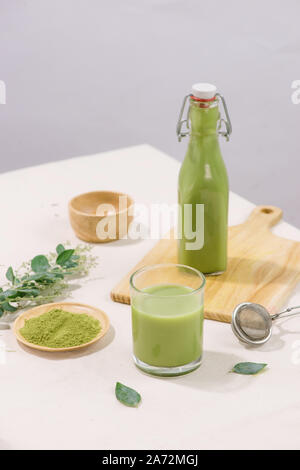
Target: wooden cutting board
column 262, row 267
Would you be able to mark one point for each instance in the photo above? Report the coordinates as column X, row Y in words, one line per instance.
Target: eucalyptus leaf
column 40, row 264
column 45, row 276
column 48, row 278
column 6, row 306
column 60, row 248
column 126, row 395
column 53, row 275
column 64, row 256
column 248, row 368
column 9, row 293
column 10, row 275
column 70, row 264
column 28, row 291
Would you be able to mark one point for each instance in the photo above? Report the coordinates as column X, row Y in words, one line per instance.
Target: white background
column 88, row 76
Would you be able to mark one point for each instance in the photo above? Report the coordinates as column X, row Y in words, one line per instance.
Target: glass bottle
column 203, row 183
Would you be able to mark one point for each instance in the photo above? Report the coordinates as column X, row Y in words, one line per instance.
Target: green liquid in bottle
column 203, row 180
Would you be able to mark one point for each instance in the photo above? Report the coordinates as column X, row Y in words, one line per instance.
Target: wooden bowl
column 101, row 216
column 69, row 307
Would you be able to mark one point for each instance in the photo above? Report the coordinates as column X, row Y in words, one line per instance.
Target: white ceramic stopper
column 204, row 91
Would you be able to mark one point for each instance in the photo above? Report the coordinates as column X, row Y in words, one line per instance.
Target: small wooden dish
column 69, row 307
column 88, row 211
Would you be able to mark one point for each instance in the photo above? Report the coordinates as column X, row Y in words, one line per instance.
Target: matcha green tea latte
column 167, row 318
column 60, row 329
column 203, row 184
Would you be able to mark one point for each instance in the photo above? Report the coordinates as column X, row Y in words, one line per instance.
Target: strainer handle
column 289, row 309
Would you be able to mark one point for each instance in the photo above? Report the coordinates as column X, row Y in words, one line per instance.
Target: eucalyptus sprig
column 44, row 278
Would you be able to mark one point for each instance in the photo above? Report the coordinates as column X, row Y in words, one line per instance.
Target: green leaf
column 60, row 248
column 10, row 275
column 70, row 264
column 64, row 256
column 248, row 368
column 40, row 264
column 9, row 293
column 43, row 281
column 28, row 291
column 126, row 395
column 7, row 307
column 48, row 277
column 42, row 277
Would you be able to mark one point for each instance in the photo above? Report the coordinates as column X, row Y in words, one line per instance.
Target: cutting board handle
column 264, row 216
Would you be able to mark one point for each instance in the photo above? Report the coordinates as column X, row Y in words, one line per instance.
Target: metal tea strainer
column 252, row 323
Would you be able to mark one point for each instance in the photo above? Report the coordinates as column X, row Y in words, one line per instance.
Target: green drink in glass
column 167, row 318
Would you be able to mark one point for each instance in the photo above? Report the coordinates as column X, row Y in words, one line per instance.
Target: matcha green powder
column 60, row 329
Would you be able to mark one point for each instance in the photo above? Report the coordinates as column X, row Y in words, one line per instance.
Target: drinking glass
column 167, row 318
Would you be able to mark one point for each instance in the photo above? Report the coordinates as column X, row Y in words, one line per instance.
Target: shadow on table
column 57, row 356
column 214, row 374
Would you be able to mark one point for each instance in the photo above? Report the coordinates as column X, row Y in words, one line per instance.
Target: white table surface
column 67, row 401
